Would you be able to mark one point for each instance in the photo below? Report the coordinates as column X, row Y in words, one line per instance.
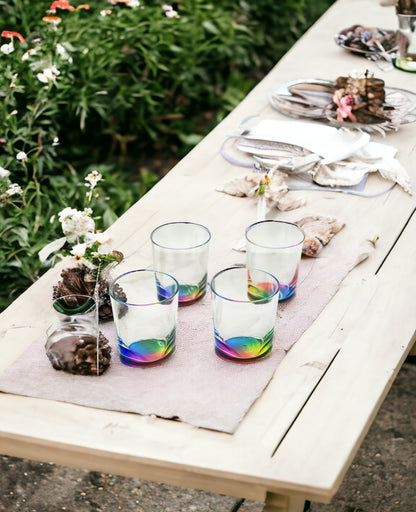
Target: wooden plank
column 336, row 418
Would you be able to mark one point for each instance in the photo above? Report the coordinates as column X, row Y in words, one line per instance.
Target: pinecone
column 78, row 355
column 80, row 281
column 75, row 281
column 118, row 294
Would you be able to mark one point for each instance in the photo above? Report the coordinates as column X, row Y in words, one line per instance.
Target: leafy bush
column 104, row 83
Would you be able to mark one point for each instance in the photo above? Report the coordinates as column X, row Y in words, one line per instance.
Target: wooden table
column 298, row 440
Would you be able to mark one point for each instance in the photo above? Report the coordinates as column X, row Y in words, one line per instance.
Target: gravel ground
column 381, row 479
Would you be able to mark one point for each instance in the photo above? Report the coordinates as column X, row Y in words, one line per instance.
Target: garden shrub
column 107, row 82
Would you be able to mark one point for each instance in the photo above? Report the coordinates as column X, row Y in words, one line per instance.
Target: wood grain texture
column 301, row 435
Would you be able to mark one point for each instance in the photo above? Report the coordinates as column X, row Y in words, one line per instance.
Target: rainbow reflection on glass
column 181, row 249
column 244, row 306
column 276, row 246
column 145, row 307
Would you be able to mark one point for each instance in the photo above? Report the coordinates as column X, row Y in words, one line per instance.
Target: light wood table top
column 298, row 440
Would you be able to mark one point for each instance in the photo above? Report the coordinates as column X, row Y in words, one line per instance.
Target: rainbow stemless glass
column 276, row 246
column 244, row 306
column 181, row 250
column 145, row 306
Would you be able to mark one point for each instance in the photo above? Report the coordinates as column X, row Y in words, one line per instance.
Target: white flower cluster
column 76, row 223
column 29, row 53
column 14, row 189
column 78, row 250
column 49, row 74
column 63, row 53
column 7, row 48
column 170, row 11
column 93, row 178
column 7, row 188
column 4, row 173
column 22, row 156
column 85, row 245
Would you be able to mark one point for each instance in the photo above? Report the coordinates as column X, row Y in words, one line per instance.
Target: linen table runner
column 193, row 385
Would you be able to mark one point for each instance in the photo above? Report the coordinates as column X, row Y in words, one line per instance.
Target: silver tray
column 367, row 40
column 312, row 103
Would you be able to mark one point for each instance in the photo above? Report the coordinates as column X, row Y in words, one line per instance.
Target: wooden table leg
column 281, row 503
column 413, row 349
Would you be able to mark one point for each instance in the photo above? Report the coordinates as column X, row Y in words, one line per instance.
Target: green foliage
column 109, row 84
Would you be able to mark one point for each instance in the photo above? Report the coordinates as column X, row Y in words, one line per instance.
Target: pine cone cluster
column 369, row 97
column 75, row 281
column 77, row 354
column 81, row 281
column 406, row 7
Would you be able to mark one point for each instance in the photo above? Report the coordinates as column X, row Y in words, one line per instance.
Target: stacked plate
column 304, row 99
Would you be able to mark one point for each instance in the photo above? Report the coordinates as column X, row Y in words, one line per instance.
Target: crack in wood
column 304, row 404
column 395, row 242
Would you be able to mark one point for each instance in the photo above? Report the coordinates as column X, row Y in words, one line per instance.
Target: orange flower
column 10, row 34
column 52, row 19
column 83, row 6
column 61, row 4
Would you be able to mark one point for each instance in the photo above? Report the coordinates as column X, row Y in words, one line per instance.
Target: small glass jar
column 74, row 343
column 406, row 43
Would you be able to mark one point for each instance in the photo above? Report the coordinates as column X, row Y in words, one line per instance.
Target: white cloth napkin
column 374, row 157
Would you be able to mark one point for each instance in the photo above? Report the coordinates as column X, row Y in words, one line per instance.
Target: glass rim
column 271, row 221
column 144, row 270
column 78, row 310
column 208, row 232
column 248, row 301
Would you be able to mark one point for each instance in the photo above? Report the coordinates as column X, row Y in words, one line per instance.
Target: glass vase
column 74, row 343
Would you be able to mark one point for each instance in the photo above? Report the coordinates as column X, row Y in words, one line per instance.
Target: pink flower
column 345, row 106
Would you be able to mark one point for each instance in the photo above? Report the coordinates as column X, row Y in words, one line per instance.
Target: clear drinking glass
column 406, row 43
column 74, row 343
column 145, row 306
column 244, row 306
column 181, row 249
column 276, row 247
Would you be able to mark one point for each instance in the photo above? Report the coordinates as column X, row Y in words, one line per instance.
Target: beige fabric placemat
column 193, row 385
